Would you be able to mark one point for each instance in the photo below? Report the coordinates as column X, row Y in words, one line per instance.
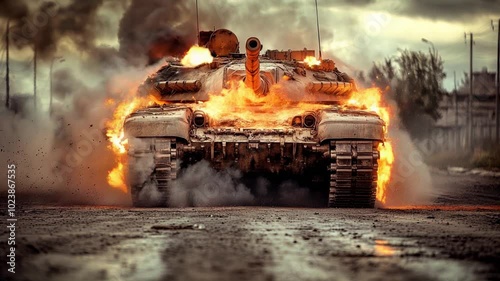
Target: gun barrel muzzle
column 252, row 65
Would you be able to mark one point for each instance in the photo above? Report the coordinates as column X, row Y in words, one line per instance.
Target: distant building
column 451, row 130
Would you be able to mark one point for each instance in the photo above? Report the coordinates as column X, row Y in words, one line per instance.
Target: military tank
column 333, row 148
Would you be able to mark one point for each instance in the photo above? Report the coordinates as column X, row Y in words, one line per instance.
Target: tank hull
column 338, row 155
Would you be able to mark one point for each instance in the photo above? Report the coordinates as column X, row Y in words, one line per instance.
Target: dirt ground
column 455, row 238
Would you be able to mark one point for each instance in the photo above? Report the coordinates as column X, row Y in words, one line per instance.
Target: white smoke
column 64, row 157
column 201, row 185
column 411, row 181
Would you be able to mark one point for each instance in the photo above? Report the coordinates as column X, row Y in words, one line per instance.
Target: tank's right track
column 353, row 174
column 165, row 155
column 165, row 168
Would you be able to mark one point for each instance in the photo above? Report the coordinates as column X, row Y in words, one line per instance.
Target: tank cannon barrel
column 252, row 65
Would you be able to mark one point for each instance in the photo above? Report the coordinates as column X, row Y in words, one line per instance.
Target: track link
column 353, row 174
column 164, row 153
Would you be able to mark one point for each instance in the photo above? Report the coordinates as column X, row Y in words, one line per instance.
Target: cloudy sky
column 355, row 33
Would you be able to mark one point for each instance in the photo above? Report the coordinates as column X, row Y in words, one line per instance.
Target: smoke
column 200, row 185
column 140, row 170
column 46, row 25
column 64, row 157
column 411, row 181
column 157, row 29
column 13, row 9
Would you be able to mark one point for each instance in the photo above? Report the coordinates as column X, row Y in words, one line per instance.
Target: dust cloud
column 64, row 157
column 200, row 185
column 411, row 181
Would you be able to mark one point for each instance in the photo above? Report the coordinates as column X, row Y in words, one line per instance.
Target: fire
column 241, row 107
column 116, row 178
column 371, row 99
column 311, row 61
column 384, row 170
column 197, row 55
column 117, row 139
column 115, row 126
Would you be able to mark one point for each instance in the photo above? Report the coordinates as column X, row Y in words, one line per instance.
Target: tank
column 329, row 148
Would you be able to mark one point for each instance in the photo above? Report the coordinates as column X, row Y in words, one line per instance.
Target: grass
column 485, row 156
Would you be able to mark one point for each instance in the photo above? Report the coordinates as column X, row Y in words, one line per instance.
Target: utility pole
column 197, row 24
column 497, row 108
column 469, row 105
column 457, row 130
column 34, row 74
column 7, row 80
column 317, row 26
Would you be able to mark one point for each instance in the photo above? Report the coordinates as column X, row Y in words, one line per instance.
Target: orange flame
column 116, row 137
column 241, row 107
column 197, row 55
column 371, row 99
column 116, row 178
column 311, row 61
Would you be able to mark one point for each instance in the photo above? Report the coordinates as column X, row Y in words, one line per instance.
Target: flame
column 384, row 170
column 371, row 99
column 115, row 132
column 117, row 139
column 197, row 55
column 311, row 61
column 116, row 178
column 241, row 107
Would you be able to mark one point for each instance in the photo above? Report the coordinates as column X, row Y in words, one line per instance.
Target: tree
column 414, row 80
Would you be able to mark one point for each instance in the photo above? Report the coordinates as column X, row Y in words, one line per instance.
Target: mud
column 455, row 238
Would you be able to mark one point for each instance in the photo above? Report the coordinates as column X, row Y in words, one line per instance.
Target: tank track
column 353, row 174
column 165, row 155
column 164, row 152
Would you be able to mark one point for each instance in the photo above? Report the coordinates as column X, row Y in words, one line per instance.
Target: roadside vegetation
column 486, row 157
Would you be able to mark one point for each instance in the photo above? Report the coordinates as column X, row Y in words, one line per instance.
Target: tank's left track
column 164, row 154
column 353, row 174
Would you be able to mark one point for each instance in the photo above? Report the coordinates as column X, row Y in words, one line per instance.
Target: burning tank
column 295, row 129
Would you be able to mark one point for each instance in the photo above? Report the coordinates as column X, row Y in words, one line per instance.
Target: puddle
column 383, row 249
column 435, row 269
column 134, row 259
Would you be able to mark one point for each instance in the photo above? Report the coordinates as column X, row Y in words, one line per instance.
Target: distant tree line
column 414, row 81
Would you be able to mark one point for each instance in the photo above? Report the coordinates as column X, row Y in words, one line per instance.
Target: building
column 450, row 131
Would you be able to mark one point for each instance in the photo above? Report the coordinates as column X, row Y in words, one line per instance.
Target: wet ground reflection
column 383, row 249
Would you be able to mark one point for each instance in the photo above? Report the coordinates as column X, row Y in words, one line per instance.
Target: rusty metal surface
column 343, row 125
column 252, row 65
column 353, row 174
column 179, row 86
column 223, row 42
column 339, row 88
column 171, row 122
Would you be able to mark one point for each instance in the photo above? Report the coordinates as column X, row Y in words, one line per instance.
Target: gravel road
column 455, row 238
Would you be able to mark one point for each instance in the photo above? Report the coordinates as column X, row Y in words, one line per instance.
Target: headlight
column 309, row 121
column 199, row 119
column 297, row 121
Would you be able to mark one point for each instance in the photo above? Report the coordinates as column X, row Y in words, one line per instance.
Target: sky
column 354, row 33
